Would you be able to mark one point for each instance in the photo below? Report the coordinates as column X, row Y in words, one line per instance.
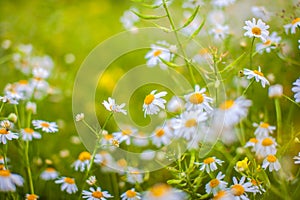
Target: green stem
column 5, row 59
column 28, row 167
column 251, row 52
column 17, row 113
column 242, row 135
column 245, row 91
column 216, row 77
column 91, row 129
column 291, row 100
column 5, row 147
column 2, row 106
column 279, row 120
column 178, row 40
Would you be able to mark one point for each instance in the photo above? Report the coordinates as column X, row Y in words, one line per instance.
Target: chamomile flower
column 222, row 3
column 220, row 32
column 6, row 134
column 187, row 125
column 263, row 129
column 67, row 184
column 31, row 197
column 261, row 12
column 134, row 176
column 129, row 19
column 111, row 105
column 216, row 184
column 131, row 195
column 9, row 181
column 296, row 90
column 154, row 102
column 79, row 117
column 252, row 143
column 91, row 180
column 175, row 104
column 163, row 191
column 239, row 189
column 257, row 186
column 271, row 43
column 28, row 134
column 257, row 75
column 83, row 161
column 210, row 164
column 292, row 26
column 105, row 160
column 157, row 53
column 232, row 111
column 266, row 146
column 125, row 135
column 49, row 174
column 257, row 30
column 223, row 195
column 275, row 91
column 162, row 136
column 96, row 194
column 297, row 159
column 272, row 162
column 31, row 107
column 198, row 100
column 48, row 127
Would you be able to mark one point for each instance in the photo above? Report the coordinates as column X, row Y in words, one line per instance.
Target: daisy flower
column 128, row 19
column 239, row 189
column 83, row 161
column 223, row 195
column 28, row 134
column 261, row 12
column 222, row 3
column 134, row 176
column 161, row 136
column 296, row 90
column 258, row 30
column 266, row 146
column 275, row 91
column 79, row 117
column 187, row 125
column 153, row 102
column 111, row 105
column 175, row 104
column 105, row 160
column 252, row 143
column 31, row 107
column 297, row 159
column 268, row 45
column 220, row 31
column 6, row 134
column 49, row 174
column 9, row 181
column 163, row 191
column 95, row 194
column 292, row 26
column 263, row 129
column 231, row 112
column 198, row 100
column 157, row 53
column 258, row 75
column 216, row 184
column 125, row 135
column 91, row 180
column 67, row 184
column 48, row 127
column 31, row 197
column 257, row 186
column 272, row 162
column 210, row 164
column 131, row 195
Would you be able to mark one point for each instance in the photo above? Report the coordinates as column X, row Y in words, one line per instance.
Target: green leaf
column 162, row 28
column 170, row 64
column 196, row 32
column 151, row 6
column 235, row 62
column 191, row 18
column 174, row 181
column 148, row 17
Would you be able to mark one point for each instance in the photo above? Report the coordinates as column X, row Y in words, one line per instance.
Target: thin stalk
column 251, row 52
column 2, row 106
column 178, row 40
column 28, row 167
column 91, row 129
column 291, row 100
column 245, row 91
column 216, row 76
column 279, row 120
column 17, row 113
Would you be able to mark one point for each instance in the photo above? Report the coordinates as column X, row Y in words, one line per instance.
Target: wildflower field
column 150, row 99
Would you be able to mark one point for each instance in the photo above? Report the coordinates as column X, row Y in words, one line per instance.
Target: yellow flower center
column 69, row 180
column 3, row 131
column 29, row 130
column 258, row 73
column 2, row 167
column 126, row 132
column 256, row 31
column 209, row 160
column 149, row 99
column 264, row 125
column 267, row 142
column 214, row 183
column 84, row 156
column 97, row 194
column 203, row 51
column 219, row 195
column 271, row 158
column 296, row 20
column 190, row 123
column 196, row 98
column 23, row 82
column 5, row 173
column 227, row 104
column 130, row 193
column 160, row 132
column 157, row 53
column 255, row 182
column 237, row 190
column 253, row 140
column 159, row 190
column 50, row 169
column 32, row 197
column 45, row 124
column 108, row 136
column 122, row 162
column 268, row 43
